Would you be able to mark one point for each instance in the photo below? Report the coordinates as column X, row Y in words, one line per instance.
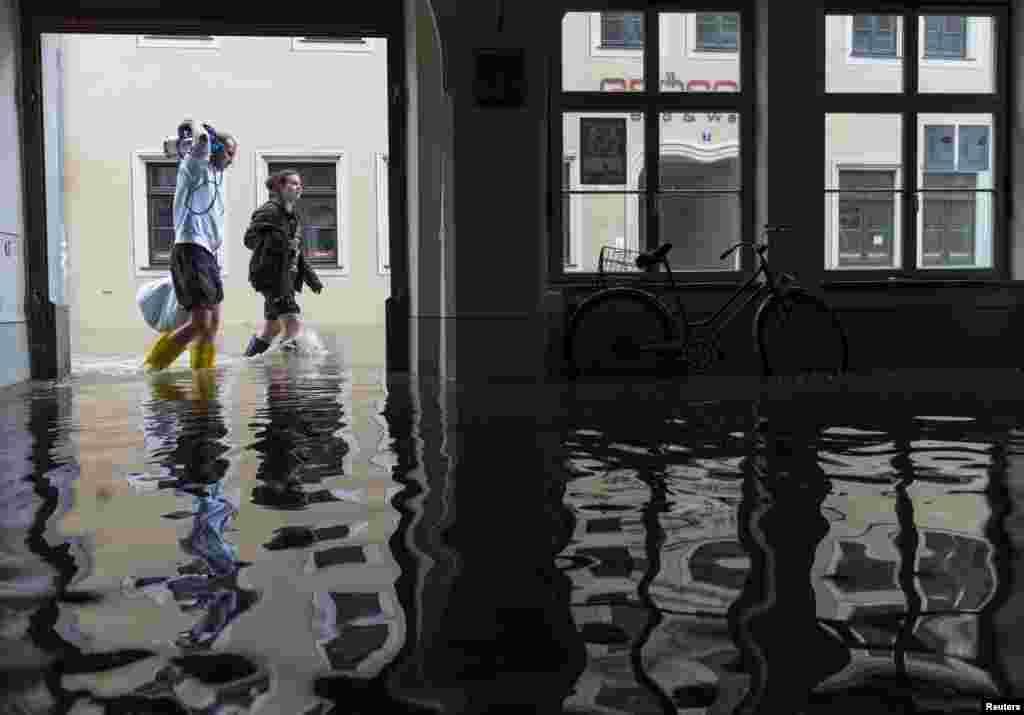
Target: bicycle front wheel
column 798, row 334
column 608, row 329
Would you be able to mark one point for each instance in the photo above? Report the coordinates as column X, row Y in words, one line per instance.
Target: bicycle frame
column 716, row 322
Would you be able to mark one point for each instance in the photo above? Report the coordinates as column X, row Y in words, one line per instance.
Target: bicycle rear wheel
column 798, row 334
column 607, row 329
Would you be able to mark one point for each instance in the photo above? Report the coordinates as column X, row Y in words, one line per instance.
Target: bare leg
column 292, row 325
column 271, row 328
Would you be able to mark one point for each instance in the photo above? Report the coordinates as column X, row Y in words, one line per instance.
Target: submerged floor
column 290, row 534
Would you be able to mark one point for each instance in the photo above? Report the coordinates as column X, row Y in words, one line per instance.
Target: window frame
column 139, row 241
column 150, row 193
column 340, row 157
column 652, row 104
column 909, row 103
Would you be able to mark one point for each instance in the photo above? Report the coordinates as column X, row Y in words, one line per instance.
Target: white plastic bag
column 159, row 305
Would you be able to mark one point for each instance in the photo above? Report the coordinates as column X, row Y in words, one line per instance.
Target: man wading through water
column 278, row 267
column 198, row 233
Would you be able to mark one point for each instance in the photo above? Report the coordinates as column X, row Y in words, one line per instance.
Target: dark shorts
column 276, row 306
column 196, row 276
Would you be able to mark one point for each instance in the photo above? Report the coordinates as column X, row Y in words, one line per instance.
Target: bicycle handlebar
column 759, row 247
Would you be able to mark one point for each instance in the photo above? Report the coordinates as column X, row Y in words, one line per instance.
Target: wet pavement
column 289, row 534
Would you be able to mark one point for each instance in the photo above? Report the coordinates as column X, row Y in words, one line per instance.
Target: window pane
column 699, row 52
column 701, row 150
column 622, row 29
column 602, row 52
column 863, row 53
column 866, row 219
column 961, row 143
column 862, row 140
column 319, row 211
column 607, row 219
column 957, row 54
column 609, row 147
column 700, row 227
column 160, row 242
column 862, row 200
column 320, row 244
column 717, row 32
column 162, row 176
column 161, row 212
column 955, row 225
column 314, row 175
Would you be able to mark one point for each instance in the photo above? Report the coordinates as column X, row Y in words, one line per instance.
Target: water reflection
column 863, row 544
column 297, row 436
column 781, row 526
column 373, row 549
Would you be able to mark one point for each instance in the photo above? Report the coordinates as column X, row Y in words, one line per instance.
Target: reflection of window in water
column 351, row 627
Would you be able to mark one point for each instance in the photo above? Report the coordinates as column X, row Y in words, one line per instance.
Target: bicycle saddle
column 650, row 258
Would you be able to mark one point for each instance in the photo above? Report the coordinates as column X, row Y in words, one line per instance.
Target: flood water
column 291, row 535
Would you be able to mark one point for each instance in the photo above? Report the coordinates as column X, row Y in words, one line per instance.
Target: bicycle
column 627, row 329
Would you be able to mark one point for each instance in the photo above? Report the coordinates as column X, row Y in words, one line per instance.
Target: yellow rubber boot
column 163, row 353
column 210, row 355
column 195, row 353
column 204, row 383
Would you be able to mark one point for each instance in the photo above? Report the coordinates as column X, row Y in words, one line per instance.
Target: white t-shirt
column 198, row 186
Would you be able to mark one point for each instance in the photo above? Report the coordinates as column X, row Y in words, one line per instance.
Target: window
column 188, row 42
column 622, row 30
column 874, row 36
column 318, row 208
column 350, row 45
column 949, row 219
column 717, row 33
column 653, row 160
column 913, row 181
column 867, row 218
column 153, row 179
column 945, row 37
column 161, row 178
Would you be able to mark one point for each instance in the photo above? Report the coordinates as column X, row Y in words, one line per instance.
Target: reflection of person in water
column 773, row 622
column 209, row 583
column 298, row 441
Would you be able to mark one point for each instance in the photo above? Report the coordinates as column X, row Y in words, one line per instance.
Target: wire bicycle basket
column 615, row 260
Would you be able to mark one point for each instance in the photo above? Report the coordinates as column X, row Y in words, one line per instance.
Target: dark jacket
column 268, row 237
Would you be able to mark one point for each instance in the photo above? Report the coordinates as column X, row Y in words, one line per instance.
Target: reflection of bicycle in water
column 630, row 330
